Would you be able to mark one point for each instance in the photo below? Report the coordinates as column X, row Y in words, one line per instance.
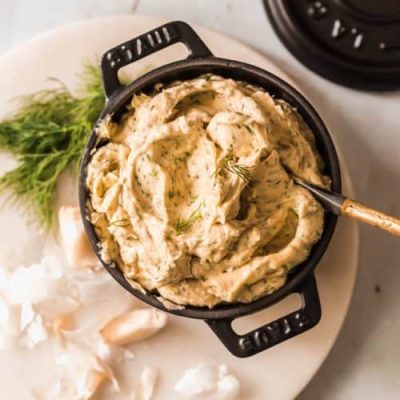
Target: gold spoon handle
column 356, row 210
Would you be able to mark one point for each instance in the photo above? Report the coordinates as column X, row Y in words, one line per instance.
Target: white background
column 365, row 362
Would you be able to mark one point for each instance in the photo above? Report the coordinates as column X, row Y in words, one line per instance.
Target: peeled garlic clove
column 94, row 379
column 111, row 353
column 133, row 326
column 77, row 248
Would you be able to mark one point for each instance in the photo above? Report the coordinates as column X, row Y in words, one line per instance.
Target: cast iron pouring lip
column 119, row 99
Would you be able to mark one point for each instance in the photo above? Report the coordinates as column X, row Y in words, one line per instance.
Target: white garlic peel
column 35, row 333
column 133, row 326
column 37, row 294
column 86, row 370
column 77, row 248
column 147, row 383
column 209, row 382
column 49, row 299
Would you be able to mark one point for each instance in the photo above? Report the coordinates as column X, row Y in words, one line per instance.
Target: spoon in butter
column 341, row 205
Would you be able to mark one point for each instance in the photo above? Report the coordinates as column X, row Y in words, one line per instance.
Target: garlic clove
column 133, row 326
column 111, row 353
column 77, row 248
column 94, row 380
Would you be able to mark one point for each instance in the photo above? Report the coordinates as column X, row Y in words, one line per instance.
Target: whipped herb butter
column 191, row 197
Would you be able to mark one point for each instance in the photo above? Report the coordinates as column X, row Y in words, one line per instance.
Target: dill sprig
column 47, row 134
column 184, row 224
column 120, row 223
column 228, row 164
column 249, row 129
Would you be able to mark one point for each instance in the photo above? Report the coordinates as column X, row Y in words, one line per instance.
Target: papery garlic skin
column 86, row 370
column 147, row 384
column 213, row 383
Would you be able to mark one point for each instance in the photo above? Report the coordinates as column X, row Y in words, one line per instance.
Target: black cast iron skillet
column 199, row 61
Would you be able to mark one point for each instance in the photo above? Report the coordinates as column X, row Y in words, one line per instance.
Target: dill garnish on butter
column 249, row 129
column 228, row 164
column 183, row 224
column 120, row 223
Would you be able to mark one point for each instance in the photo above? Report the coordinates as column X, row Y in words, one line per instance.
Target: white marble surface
column 365, row 362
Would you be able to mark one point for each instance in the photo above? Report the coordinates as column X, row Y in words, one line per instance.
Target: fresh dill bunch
column 185, row 223
column 47, row 134
column 228, row 164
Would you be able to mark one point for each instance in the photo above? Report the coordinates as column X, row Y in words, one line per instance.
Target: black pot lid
column 355, row 43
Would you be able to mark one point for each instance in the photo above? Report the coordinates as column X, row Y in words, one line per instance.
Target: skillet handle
column 274, row 332
column 142, row 46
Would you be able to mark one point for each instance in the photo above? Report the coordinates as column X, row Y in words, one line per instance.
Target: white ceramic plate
column 279, row 373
